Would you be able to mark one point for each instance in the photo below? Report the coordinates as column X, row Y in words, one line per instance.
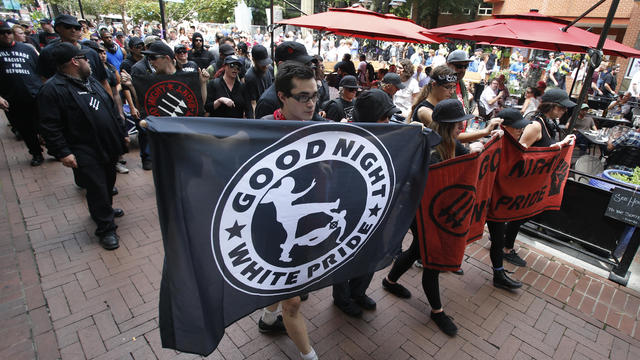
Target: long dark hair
column 447, row 147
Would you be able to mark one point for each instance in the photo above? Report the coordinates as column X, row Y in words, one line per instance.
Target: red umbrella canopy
column 532, row 30
column 360, row 22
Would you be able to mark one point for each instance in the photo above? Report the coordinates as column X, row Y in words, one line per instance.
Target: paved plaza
column 63, row 296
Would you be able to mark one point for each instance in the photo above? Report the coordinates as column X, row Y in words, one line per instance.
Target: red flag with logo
column 529, row 181
column 454, row 207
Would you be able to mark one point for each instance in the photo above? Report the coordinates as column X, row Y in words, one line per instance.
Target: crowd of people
column 73, row 85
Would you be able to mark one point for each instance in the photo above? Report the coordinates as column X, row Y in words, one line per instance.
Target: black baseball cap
column 4, row 25
column 159, row 48
column 557, row 96
column 179, row 47
column 260, row 55
column 373, row 105
column 66, row 19
column 45, row 21
column 63, row 52
column 513, row 118
column 393, row 79
column 291, row 50
column 233, row 59
column 450, row 111
column 349, row 82
column 226, row 50
column 135, row 41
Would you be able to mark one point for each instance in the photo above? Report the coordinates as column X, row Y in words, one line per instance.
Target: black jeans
column 354, row 288
column 496, row 232
column 24, row 117
column 511, row 231
column 98, row 179
column 430, row 277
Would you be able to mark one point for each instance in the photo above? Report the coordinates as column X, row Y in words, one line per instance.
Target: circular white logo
column 301, row 208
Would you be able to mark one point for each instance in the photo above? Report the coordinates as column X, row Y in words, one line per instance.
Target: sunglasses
column 234, row 66
column 461, row 66
column 6, row 32
column 305, row 97
column 350, row 89
column 77, row 28
column 197, row 40
column 181, row 51
column 80, row 57
column 139, row 46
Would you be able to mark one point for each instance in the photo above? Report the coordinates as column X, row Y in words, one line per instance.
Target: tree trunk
column 123, row 13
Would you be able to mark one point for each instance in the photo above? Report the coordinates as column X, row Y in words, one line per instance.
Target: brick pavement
column 63, row 296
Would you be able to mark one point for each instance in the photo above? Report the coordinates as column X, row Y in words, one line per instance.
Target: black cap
column 179, row 47
column 450, row 111
column 349, row 82
column 557, row 96
column 242, row 46
column 63, row 52
column 65, row 19
column 512, row 118
column 45, row 21
column 373, row 105
column 226, row 50
column 291, row 50
column 135, row 41
column 260, row 55
column 4, row 25
column 393, row 79
column 119, row 33
column 159, row 48
column 233, row 59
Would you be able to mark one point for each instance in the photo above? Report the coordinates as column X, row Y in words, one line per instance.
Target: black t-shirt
column 435, row 156
column 47, row 65
column 608, row 78
column 339, row 109
column 256, row 82
column 217, row 88
column 424, row 103
column 44, row 38
column 190, row 66
column 20, row 82
column 201, row 57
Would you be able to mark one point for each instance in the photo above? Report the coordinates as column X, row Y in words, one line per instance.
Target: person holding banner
column 448, row 122
column 297, row 91
column 541, row 132
column 441, row 87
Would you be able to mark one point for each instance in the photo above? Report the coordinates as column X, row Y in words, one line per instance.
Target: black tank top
column 548, row 131
column 423, row 103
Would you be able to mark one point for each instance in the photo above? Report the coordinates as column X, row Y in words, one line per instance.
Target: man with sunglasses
column 20, row 85
column 342, row 107
column 297, row 92
column 68, row 28
column 47, row 34
column 83, row 129
column 458, row 61
column 182, row 59
column 136, row 45
column 198, row 53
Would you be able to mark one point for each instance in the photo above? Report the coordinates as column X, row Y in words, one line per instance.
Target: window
column 485, row 9
column 466, row 11
column 449, row 12
column 445, row 12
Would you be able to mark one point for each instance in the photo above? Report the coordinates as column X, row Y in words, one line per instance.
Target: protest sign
column 173, row 95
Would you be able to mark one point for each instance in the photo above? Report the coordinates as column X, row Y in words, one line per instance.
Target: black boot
column 501, row 280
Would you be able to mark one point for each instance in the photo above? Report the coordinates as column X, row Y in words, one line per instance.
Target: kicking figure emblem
column 289, row 214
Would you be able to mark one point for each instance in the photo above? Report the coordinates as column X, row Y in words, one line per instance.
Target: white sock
column 269, row 317
column 310, row 356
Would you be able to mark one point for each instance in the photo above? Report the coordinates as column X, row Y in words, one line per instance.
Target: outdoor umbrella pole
column 583, row 92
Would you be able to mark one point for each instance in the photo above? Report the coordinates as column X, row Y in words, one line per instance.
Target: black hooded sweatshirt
column 201, row 56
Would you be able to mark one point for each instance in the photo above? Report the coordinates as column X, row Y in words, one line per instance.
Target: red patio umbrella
column 360, row 22
column 532, row 30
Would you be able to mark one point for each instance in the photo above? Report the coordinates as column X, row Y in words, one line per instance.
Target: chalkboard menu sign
column 624, row 206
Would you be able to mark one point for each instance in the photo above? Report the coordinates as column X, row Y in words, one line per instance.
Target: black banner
column 169, row 95
column 256, row 211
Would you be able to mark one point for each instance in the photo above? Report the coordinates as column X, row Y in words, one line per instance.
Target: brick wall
column 562, row 8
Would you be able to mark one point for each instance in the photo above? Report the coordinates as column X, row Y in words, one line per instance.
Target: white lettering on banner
column 301, row 208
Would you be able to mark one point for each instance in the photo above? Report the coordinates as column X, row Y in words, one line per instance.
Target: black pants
column 496, row 231
column 24, row 117
column 511, row 231
column 143, row 142
column 354, row 288
column 98, row 179
column 430, row 277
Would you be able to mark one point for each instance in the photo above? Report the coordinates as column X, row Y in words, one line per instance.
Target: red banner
column 454, row 207
column 529, row 181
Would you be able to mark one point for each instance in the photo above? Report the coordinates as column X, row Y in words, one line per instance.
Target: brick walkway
column 63, row 296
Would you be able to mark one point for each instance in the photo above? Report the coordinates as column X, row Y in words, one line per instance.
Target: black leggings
column 430, row 277
column 496, row 233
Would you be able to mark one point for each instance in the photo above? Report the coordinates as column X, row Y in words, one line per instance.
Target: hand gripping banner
column 529, row 181
column 454, row 207
column 257, row 211
column 169, row 95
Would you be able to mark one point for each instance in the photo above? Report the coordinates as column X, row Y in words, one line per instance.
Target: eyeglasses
column 197, row 40
column 68, row 27
column 305, row 97
column 80, row 57
column 461, row 66
column 181, row 52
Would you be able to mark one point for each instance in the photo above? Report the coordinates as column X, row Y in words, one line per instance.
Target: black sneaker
column 396, row 289
column 444, row 323
column 37, row 160
column 513, row 258
column 276, row 328
column 501, row 280
column 350, row 308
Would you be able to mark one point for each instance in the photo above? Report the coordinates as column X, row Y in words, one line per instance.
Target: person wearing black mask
column 198, row 53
